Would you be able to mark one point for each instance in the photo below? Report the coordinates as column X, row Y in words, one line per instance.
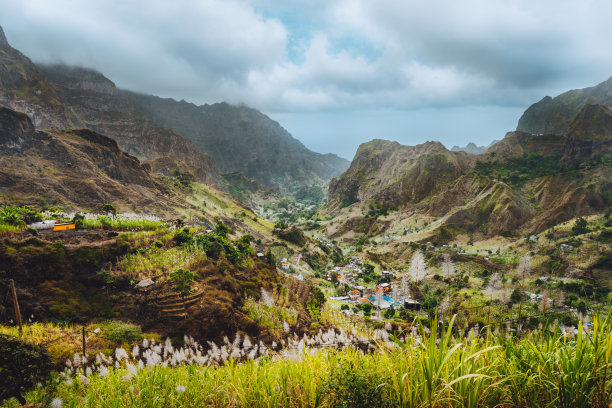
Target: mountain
column 239, row 138
column 93, row 101
column 66, row 97
column 394, row 174
column 77, row 169
column 555, row 115
column 523, row 183
column 242, row 139
column 472, row 148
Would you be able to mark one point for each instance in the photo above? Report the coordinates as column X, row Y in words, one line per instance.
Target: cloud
column 314, row 55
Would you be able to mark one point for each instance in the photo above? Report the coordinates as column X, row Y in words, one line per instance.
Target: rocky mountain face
column 239, row 138
column 394, row 174
column 67, row 97
column 24, row 89
column 78, row 168
column 93, row 101
column 555, row 115
column 242, row 139
column 525, row 182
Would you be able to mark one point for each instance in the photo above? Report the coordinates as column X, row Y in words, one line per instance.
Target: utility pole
column 16, row 307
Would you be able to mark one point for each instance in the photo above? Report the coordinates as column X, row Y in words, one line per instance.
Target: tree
column 418, row 268
column 222, row 230
column 183, row 281
column 109, row 209
column 367, row 309
column 22, row 366
column 580, row 226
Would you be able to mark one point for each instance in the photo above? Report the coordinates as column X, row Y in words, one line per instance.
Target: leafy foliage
column 183, row 281
column 18, row 216
column 580, row 226
column 352, row 386
column 121, row 332
column 517, row 170
column 22, row 366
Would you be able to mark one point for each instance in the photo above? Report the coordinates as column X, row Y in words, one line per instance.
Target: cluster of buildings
column 383, row 296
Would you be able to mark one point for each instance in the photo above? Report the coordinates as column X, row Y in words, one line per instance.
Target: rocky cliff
column 79, row 169
column 94, row 101
column 555, row 115
column 239, row 138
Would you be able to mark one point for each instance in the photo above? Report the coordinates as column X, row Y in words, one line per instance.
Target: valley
column 208, row 258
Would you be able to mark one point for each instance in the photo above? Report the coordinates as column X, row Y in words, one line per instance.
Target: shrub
column 183, row 281
column 183, row 237
column 22, row 366
column 580, row 226
column 122, row 332
column 350, row 385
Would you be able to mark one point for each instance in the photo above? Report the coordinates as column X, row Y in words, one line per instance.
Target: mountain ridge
column 554, row 115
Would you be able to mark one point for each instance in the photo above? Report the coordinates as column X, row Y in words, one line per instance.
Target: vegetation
column 543, row 369
column 121, row 332
column 517, row 170
column 22, row 366
column 182, row 281
column 123, row 223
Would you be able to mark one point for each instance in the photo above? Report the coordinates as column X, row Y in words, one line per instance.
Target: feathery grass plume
column 56, row 403
column 121, row 354
column 102, row 371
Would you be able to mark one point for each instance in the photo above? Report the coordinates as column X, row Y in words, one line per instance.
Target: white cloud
column 312, row 54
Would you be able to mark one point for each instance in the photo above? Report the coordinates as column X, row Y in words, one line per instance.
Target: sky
column 334, row 73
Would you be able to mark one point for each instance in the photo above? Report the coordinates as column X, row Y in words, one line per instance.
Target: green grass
column 269, row 316
column 6, row 229
column 123, row 224
column 153, row 261
column 542, row 369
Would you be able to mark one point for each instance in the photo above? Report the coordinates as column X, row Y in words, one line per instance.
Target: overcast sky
column 335, row 73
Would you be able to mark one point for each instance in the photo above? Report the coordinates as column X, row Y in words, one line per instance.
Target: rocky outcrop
column 94, row 102
column 393, row 174
column 79, row 169
column 555, row 115
column 24, row 89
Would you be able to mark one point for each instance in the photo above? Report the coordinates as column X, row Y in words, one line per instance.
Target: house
column 364, row 300
column 412, row 304
column 354, row 294
column 383, row 287
column 388, row 274
column 285, row 265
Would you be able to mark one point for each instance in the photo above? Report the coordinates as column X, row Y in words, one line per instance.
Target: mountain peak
column 3, row 40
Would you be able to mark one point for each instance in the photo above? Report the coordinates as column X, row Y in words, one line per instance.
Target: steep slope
column 524, row 182
column 242, row 139
column 78, row 169
column 62, row 97
column 95, row 102
column 394, row 175
column 23, row 88
column 554, row 115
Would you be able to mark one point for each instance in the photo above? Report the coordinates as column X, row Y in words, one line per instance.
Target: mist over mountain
column 209, row 137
